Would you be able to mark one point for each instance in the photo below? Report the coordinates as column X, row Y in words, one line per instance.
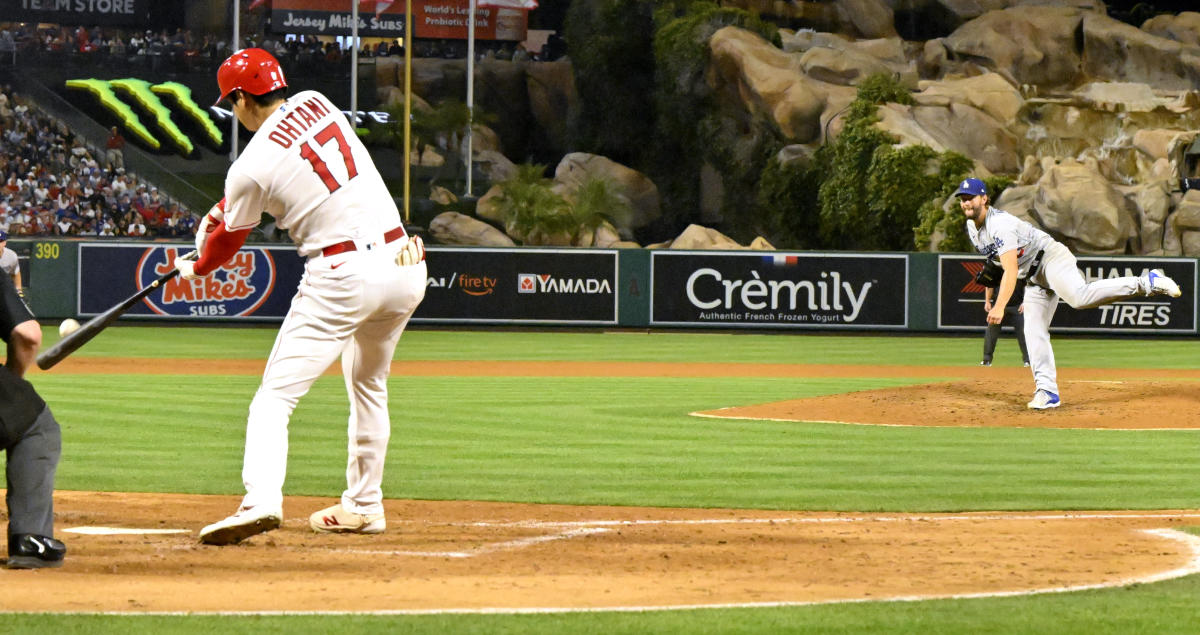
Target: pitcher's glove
column 991, row 273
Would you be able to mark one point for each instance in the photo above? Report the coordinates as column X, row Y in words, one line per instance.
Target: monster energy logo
column 150, row 98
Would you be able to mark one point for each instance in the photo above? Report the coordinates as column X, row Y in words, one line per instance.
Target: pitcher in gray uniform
column 32, row 442
column 1050, row 272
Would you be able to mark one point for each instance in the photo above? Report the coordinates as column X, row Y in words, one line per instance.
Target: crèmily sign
column 805, row 290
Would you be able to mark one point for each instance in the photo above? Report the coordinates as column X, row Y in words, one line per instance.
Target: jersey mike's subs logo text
column 237, row 289
column 546, row 283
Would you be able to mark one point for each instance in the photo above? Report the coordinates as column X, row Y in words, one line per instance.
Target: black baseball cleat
column 30, row 551
column 986, row 362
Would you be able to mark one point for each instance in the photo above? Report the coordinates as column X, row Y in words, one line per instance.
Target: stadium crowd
column 54, row 185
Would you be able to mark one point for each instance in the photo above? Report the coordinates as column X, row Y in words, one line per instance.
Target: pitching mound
column 1092, row 404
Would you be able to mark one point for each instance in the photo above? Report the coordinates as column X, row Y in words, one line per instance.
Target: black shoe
column 986, row 362
column 29, row 551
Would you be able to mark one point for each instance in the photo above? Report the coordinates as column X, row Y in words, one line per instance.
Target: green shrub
column 692, row 129
column 787, row 203
column 613, row 61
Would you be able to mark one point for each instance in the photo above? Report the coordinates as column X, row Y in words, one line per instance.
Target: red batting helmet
column 252, row 70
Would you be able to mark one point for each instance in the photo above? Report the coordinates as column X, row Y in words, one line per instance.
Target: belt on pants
column 348, row 245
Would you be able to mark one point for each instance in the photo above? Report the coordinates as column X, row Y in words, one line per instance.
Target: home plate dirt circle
column 479, row 556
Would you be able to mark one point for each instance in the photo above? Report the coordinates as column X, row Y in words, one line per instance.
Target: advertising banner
column 256, row 284
column 335, row 17
column 960, row 298
column 800, row 290
column 447, row 19
column 433, row 19
column 78, row 12
column 520, row 286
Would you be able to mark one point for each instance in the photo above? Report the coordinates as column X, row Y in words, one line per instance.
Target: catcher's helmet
column 252, row 70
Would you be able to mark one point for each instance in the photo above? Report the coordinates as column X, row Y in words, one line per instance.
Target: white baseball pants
column 354, row 304
column 1059, row 277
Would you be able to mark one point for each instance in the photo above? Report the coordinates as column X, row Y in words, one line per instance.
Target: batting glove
column 412, row 252
column 187, row 269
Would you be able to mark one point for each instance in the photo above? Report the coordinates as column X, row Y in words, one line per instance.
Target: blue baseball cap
column 971, row 187
column 3, row 235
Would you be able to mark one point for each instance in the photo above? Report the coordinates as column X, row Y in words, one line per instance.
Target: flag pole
column 354, row 64
column 470, row 87
column 408, row 47
column 235, row 44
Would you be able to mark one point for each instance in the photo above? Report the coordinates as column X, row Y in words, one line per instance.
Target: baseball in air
column 67, row 327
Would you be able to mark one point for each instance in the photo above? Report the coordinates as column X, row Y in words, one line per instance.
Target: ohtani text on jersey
column 297, row 122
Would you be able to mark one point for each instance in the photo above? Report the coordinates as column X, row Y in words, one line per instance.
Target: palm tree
column 532, row 212
column 596, row 201
column 444, row 127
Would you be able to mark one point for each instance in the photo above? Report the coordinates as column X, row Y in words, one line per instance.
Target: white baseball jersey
column 307, row 168
column 1002, row 232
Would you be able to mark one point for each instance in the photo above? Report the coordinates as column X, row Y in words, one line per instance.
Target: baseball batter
column 1050, row 272
column 364, row 277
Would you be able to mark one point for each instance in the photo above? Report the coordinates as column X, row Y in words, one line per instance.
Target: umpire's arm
column 1008, row 283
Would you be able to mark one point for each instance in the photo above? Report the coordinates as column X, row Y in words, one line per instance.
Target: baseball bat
column 92, row 327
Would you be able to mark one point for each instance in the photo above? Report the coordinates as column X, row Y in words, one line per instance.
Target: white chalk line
column 535, row 524
column 491, row 547
column 483, row 549
column 90, row 530
column 713, row 415
column 1188, row 540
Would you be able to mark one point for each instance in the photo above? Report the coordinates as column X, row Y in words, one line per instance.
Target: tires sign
column 960, row 298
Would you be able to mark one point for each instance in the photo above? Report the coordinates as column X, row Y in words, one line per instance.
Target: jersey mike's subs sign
column 797, row 290
column 960, row 298
column 333, row 17
column 256, row 284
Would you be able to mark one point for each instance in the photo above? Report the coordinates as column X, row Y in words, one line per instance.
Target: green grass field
column 629, row 441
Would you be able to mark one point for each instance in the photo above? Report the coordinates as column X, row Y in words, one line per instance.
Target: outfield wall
column 601, row 288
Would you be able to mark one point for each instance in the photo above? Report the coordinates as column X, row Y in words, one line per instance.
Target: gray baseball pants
column 30, row 468
column 1059, row 277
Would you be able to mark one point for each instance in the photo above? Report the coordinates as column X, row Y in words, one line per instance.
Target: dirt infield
column 470, row 555
column 462, row 555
